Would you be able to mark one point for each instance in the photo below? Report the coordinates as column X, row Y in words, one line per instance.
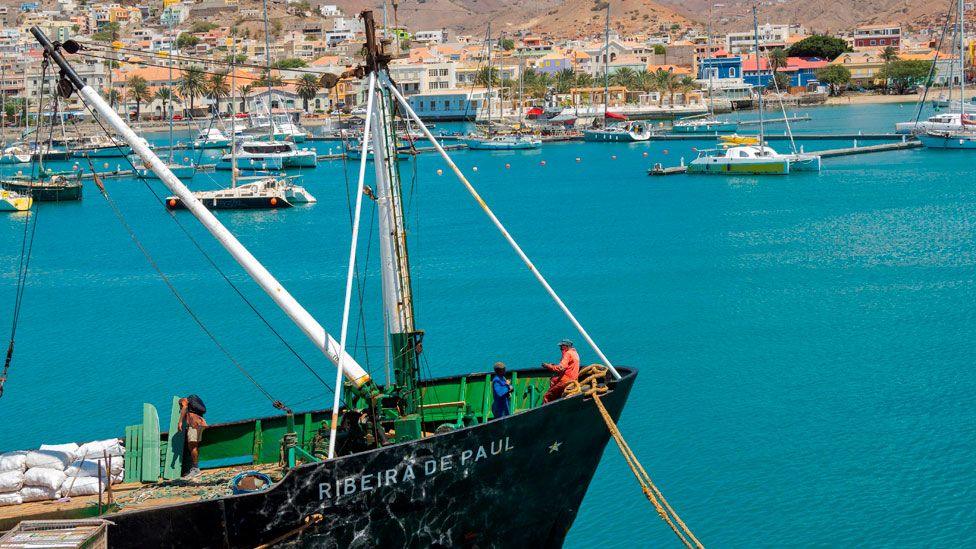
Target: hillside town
column 184, row 57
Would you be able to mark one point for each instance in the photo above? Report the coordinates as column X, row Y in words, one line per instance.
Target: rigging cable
column 276, row 403
column 935, row 63
column 26, row 245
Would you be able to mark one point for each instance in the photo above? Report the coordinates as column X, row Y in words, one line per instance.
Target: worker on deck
column 192, row 410
column 502, row 390
column 567, row 370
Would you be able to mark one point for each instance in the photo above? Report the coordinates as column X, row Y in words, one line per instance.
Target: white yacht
column 268, row 155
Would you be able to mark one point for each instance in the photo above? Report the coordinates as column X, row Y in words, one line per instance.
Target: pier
column 794, row 118
column 784, row 136
column 658, row 169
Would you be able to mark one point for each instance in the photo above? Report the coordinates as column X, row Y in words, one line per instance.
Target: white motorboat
column 509, row 142
column 268, row 155
column 211, row 138
column 620, row 132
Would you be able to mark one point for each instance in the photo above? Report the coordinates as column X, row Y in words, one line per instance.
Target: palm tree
column 888, row 55
column 307, row 87
column 686, row 84
column 777, row 60
column 565, row 80
column 268, row 79
column 643, row 80
column 663, row 83
column 245, row 89
column 167, row 96
column 486, row 76
column 584, row 80
column 218, row 87
column 624, row 76
column 192, row 84
column 137, row 90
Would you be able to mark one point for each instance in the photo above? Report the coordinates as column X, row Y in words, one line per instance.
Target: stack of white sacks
column 60, row 470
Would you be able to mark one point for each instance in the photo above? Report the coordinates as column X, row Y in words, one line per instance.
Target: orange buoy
column 172, row 202
column 440, row 172
column 274, row 201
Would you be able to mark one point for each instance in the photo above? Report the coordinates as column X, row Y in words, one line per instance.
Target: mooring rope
column 592, row 384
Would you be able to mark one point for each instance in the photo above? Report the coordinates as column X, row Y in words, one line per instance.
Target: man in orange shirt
column 567, row 370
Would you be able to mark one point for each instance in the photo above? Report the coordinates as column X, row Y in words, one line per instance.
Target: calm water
column 805, row 342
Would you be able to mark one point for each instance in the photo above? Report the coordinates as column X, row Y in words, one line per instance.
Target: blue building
column 451, row 104
column 800, row 70
column 29, row 6
column 717, row 68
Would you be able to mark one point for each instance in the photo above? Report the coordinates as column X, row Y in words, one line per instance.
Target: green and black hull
column 42, row 191
column 512, row 482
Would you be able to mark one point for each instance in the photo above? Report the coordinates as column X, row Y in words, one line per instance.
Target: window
column 874, row 42
column 732, row 72
column 447, row 105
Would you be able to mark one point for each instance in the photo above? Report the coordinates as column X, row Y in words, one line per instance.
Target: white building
column 431, row 36
column 770, row 36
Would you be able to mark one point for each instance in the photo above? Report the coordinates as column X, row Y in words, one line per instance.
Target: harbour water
column 805, row 342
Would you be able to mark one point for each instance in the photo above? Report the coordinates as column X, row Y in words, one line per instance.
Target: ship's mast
column 962, row 57
column 395, row 266
column 489, row 78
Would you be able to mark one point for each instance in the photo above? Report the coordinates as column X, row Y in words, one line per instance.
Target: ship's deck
column 131, row 496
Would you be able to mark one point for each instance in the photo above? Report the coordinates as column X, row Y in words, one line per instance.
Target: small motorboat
column 211, row 138
column 12, row 201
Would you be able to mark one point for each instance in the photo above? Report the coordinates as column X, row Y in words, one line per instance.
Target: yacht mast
column 169, row 94
column 962, row 57
column 354, row 373
column 755, row 29
column 233, row 111
column 490, row 79
column 267, row 59
column 606, row 68
column 708, row 57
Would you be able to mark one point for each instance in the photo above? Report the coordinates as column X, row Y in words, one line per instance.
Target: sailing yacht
column 258, row 193
column 708, row 123
column 211, row 138
column 962, row 137
column 492, row 141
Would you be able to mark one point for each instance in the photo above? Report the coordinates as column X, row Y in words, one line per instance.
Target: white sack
column 97, row 448
column 117, row 479
column 85, row 468
column 50, row 459
column 13, row 461
column 11, row 481
column 11, row 498
column 38, row 493
column 81, row 486
column 68, row 448
column 44, row 477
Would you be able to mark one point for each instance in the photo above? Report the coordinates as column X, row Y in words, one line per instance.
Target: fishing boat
column 211, row 138
column 268, row 155
column 620, row 132
column 414, row 462
column 48, row 187
column 12, row 201
column 264, row 193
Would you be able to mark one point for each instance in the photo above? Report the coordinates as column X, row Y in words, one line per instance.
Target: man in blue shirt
column 502, row 391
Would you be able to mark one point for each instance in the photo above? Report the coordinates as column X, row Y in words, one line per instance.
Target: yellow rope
column 591, row 384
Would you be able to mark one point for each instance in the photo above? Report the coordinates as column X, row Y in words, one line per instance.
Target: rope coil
column 592, row 383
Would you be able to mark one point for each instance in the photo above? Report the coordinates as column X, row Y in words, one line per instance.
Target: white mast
column 755, row 29
column 291, row 307
column 233, row 111
column 962, row 57
column 606, row 68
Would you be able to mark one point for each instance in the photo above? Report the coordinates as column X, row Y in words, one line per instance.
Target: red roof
column 792, row 63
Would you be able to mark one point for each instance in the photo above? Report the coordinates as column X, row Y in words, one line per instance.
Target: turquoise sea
column 805, row 342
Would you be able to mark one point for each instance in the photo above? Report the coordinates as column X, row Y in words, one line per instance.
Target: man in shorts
column 192, row 410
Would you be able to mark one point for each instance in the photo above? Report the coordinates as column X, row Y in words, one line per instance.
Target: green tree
column 905, row 74
column 584, row 80
column 643, row 80
column 819, row 45
column 202, row 26
column 307, row 87
column 236, row 59
column 107, row 33
column 192, row 84
column 888, row 55
column 664, row 82
column 485, row 76
column 659, row 49
column 290, row 63
column 186, row 40
column 507, row 44
column 834, row 76
column 779, row 82
column 137, row 90
column 245, row 89
column 267, row 79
